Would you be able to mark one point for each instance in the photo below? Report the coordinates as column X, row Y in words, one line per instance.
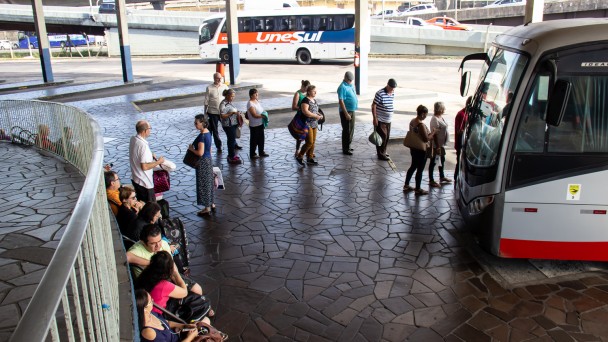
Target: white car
column 501, row 3
column 420, row 9
column 387, row 13
column 5, row 44
column 412, row 22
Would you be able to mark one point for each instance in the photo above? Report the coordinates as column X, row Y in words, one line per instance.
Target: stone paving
column 338, row 252
column 37, row 195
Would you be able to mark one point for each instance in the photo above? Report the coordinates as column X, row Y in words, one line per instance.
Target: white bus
column 303, row 34
column 533, row 175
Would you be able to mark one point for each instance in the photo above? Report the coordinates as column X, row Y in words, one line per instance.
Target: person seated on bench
column 112, row 182
column 151, row 242
column 154, row 327
column 127, row 213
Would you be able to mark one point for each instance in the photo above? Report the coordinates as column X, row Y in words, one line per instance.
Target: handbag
column 298, row 127
column 191, row 159
column 239, row 119
column 162, row 180
column 413, row 140
column 322, row 119
column 193, row 307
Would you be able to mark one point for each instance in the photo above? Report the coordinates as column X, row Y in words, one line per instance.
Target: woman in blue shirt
column 204, row 170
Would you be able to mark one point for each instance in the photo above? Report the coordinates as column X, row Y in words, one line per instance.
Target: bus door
column 555, row 195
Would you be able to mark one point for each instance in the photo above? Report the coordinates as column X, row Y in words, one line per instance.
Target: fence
column 82, row 274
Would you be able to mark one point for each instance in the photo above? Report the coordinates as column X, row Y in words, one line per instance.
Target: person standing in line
column 440, row 127
column 213, row 97
column 382, row 112
column 204, row 170
column 460, row 123
column 142, row 162
column 310, row 109
column 256, row 125
column 348, row 102
column 418, row 156
column 298, row 96
column 228, row 115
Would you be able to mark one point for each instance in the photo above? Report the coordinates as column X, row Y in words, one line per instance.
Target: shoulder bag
column 413, row 140
column 191, row 159
column 298, row 127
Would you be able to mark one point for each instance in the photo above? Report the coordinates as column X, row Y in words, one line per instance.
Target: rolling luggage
column 174, row 231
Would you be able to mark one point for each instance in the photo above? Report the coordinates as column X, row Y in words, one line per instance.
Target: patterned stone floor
column 37, row 195
column 337, row 252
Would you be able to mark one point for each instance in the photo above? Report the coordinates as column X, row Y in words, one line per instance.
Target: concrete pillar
column 534, row 11
column 44, row 47
column 233, row 41
column 362, row 44
column 123, row 40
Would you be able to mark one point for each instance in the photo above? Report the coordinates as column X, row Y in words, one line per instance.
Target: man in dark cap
column 348, row 102
column 382, row 111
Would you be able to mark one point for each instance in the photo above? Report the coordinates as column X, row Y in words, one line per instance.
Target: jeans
column 214, row 129
column 348, row 130
column 418, row 162
column 309, row 144
column 231, row 139
column 432, row 167
column 256, row 139
column 384, row 130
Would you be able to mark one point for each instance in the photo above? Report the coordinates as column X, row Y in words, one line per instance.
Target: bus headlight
column 479, row 204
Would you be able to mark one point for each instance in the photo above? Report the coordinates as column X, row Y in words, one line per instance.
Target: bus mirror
column 557, row 102
column 465, row 79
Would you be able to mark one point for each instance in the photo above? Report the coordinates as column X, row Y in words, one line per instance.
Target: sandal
column 407, row 188
column 445, row 180
column 204, row 212
column 419, row 192
column 435, row 185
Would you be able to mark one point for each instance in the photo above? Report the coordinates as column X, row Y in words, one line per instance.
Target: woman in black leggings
column 418, row 156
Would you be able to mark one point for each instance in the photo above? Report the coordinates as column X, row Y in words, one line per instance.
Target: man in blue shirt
column 348, row 102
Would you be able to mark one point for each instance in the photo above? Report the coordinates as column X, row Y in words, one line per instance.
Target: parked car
column 107, row 7
column 501, row 3
column 412, row 22
column 5, row 44
column 387, row 13
column 448, row 23
column 420, row 9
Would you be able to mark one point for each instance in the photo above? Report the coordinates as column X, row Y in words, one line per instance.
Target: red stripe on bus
column 530, row 249
column 599, row 212
column 531, row 210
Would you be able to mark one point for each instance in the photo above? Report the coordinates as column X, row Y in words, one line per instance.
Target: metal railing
column 82, row 273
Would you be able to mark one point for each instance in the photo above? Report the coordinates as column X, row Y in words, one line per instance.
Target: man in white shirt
column 142, row 162
column 213, row 98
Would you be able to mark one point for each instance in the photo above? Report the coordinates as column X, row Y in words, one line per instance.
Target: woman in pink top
column 162, row 280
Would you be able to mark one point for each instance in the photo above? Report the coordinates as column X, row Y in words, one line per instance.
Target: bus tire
column 303, row 57
column 224, row 55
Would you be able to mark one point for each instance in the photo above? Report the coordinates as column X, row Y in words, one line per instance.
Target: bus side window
column 269, row 25
column 284, row 25
column 304, row 23
column 244, row 25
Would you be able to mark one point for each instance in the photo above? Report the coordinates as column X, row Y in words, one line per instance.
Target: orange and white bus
column 303, row 34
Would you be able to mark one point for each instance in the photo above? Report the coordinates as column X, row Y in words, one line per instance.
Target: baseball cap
column 392, row 83
column 349, row 76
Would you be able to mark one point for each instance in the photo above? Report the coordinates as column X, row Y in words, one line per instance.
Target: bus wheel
column 303, row 56
column 224, row 56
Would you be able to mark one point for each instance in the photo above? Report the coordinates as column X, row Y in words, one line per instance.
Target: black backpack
column 174, row 231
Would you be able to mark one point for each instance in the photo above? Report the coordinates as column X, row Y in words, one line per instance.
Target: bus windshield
column 208, row 29
column 492, row 106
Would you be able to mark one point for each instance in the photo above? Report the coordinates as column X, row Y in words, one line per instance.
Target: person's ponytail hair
column 227, row 91
column 305, row 83
column 421, row 110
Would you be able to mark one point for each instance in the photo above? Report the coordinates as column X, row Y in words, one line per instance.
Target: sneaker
column 383, row 157
column 348, row 153
column 435, row 185
column 300, row 161
column 234, row 160
column 420, row 192
column 445, row 180
column 311, row 161
column 254, row 156
column 407, row 188
column 264, row 154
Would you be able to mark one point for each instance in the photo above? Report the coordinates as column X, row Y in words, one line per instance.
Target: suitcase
column 174, row 231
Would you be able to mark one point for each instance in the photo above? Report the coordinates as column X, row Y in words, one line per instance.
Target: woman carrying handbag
column 419, row 137
column 440, row 139
column 204, row 169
